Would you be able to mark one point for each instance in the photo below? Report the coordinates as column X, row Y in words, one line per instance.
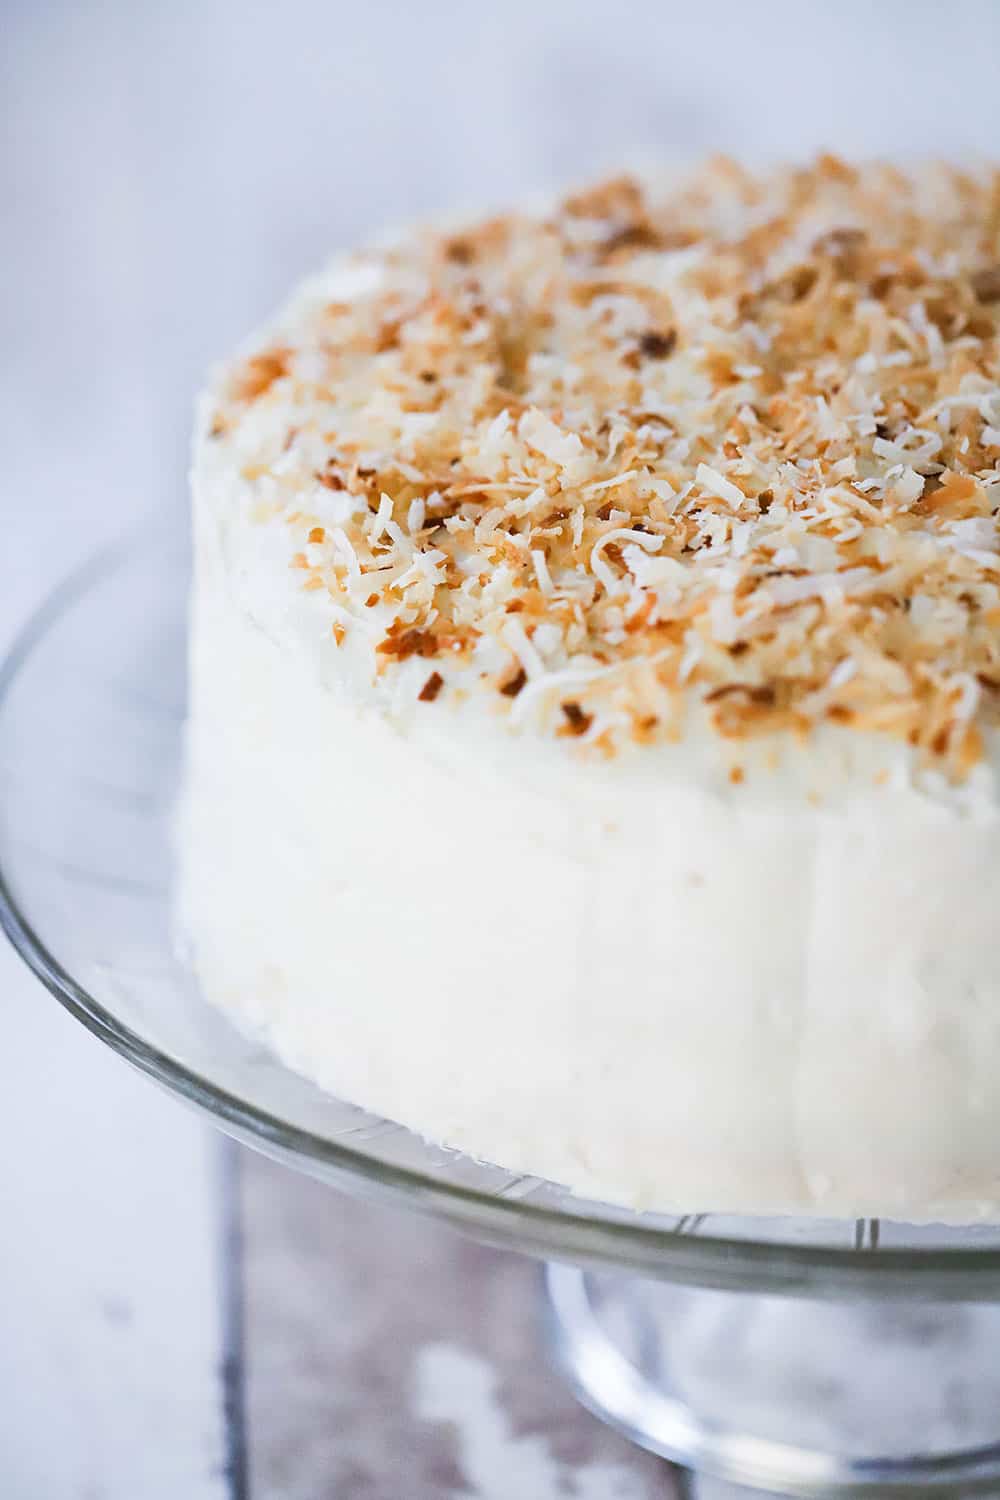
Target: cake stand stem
column 785, row 1394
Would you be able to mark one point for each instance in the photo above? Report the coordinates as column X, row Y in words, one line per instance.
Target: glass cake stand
column 799, row 1356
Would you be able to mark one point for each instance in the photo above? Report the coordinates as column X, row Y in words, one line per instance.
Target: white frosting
column 626, row 975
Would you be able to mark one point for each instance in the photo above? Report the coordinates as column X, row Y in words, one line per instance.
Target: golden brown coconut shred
column 738, row 441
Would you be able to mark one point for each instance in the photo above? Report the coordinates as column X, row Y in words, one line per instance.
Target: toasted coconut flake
column 747, row 429
column 577, row 722
column 715, row 483
column 258, row 373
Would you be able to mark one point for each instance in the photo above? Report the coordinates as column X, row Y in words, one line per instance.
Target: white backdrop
column 165, row 170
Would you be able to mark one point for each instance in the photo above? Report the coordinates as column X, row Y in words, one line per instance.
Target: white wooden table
column 165, row 172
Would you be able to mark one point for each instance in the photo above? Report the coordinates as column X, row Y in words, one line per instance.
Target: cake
column 595, row 686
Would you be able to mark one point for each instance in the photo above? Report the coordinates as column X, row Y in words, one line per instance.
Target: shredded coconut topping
column 736, row 442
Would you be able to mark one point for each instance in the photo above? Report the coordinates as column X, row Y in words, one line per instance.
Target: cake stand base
column 785, row 1394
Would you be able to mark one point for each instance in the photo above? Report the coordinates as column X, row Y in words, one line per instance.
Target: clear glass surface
column 795, row 1396
column 91, row 713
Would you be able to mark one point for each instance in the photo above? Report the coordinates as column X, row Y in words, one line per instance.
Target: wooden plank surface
column 388, row 1357
column 110, row 1335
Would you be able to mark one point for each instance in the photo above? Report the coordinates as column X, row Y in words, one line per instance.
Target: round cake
column 595, row 689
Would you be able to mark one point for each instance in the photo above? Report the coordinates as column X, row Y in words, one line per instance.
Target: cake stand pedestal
column 787, row 1395
column 802, row 1357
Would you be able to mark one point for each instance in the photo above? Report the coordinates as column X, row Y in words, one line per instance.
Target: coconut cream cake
column 595, row 689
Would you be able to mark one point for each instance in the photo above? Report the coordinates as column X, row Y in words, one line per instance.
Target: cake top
column 733, row 442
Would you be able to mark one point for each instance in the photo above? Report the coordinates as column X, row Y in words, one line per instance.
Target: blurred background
column 166, row 171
